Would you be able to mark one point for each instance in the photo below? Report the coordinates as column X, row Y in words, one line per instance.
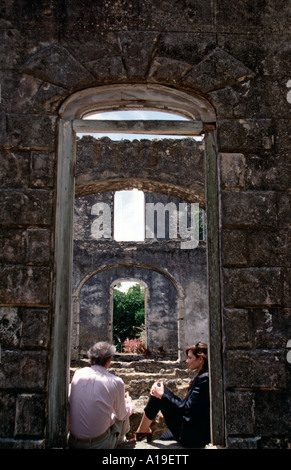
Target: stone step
column 164, row 374
column 139, row 363
column 139, row 375
column 138, row 385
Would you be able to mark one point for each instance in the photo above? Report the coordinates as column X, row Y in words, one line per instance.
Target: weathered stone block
column 25, row 286
column 268, row 172
column 25, row 328
column 38, row 247
column 27, row 89
column 252, row 287
column 12, row 246
column 271, row 327
column 217, row 70
column 31, row 246
column 232, row 170
column 26, row 207
column 245, row 134
column 272, row 413
column 85, row 47
column 165, row 70
column 246, row 208
column 7, row 414
column 245, row 48
column 268, row 59
column 23, row 370
column 240, row 406
column 42, row 169
column 244, row 100
column 10, row 327
column 225, row 101
column 256, row 368
column 35, row 328
column 269, row 248
column 185, row 47
column 56, row 65
column 31, row 131
column 108, row 69
column 15, row 171
column 234, row 247
column 237, row 328
column 30, row 412
column 48, row 98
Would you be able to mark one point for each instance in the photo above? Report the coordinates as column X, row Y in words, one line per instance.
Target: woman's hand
column 128, row 398
column 157, row 390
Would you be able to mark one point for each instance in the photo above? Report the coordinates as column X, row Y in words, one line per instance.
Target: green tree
column 128, row 312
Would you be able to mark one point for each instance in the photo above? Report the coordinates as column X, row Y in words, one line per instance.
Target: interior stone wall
column 237, row 56
column 161, row 312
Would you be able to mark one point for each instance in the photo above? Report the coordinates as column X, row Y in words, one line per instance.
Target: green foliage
column 128, row 312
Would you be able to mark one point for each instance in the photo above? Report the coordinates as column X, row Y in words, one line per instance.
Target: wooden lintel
column 187, row 128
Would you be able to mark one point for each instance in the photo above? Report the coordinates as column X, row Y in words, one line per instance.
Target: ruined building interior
column 219, row 69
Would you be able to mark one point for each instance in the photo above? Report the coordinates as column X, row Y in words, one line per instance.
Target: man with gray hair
column 99, row 408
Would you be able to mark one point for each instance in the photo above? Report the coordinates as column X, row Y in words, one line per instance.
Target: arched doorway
column 92, row 312
column 201, row 120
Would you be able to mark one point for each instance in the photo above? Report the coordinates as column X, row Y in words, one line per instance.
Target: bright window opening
column 129, row 223
column 138, row 115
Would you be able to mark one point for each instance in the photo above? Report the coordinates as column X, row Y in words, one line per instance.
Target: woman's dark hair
column 101, row 353
column 200, row 349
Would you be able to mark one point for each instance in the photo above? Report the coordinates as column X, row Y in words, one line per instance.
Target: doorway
column 129, row 305
column 201, row 120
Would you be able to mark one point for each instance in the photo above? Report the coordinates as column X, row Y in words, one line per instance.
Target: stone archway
column 155, row 280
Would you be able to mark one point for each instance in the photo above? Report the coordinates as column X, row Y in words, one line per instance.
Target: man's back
column 95, row 397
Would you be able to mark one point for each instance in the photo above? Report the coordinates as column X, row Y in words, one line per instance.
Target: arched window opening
column 130, row 115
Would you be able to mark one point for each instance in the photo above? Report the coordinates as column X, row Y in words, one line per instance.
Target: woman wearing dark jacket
column 188, row 419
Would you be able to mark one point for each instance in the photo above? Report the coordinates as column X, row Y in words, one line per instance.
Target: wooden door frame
column 60, row 342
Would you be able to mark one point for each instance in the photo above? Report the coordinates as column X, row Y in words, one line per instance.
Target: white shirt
column 96, row 399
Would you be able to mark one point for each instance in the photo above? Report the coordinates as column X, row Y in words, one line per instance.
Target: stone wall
column 146, row 164
column 236, row 55
column 161, row 313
